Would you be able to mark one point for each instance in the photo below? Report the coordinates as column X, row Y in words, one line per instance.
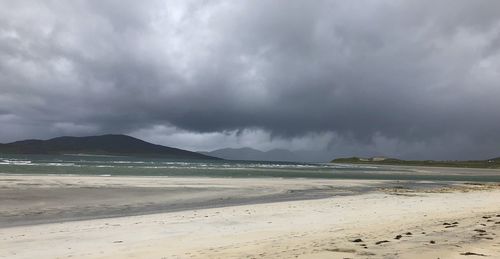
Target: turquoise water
column 110, row 166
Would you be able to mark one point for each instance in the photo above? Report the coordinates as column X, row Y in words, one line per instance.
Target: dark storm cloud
column 414, row 78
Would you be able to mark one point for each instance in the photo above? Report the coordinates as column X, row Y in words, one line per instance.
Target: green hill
column 98, row 145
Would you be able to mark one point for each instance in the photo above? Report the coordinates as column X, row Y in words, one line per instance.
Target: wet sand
column 347, row 219
column 35, row 199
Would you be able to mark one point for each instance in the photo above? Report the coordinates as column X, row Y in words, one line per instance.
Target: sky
column 407, row 79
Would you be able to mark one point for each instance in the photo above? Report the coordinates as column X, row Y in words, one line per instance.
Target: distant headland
column 488, row 163
column 111, row 144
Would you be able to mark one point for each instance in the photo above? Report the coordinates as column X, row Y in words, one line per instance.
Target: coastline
column 321, row 227
column 456, row 169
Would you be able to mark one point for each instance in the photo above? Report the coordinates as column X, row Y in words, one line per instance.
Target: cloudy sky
column 410, row 79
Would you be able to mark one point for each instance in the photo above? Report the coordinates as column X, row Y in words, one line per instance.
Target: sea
column 109, row 166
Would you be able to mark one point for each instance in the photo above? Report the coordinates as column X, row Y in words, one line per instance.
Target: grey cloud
column 414, row 78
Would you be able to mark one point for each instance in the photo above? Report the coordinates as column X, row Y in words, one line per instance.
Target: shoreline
column 492, row 170
column 325, row 228
column 374, row 219
column 43, row 199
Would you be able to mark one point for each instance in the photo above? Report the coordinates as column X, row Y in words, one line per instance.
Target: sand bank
column 385, row 222
column 36, row 199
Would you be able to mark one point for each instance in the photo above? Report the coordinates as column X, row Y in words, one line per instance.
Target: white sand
column 321, row 228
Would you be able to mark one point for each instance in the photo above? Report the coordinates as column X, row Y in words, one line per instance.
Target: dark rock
column 357, row 240
column 398, row 237
column 432, row 242
column 471, row 253
column 381, row 242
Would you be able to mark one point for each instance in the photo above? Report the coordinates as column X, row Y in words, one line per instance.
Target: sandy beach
column 249, row 129
column 163, row 217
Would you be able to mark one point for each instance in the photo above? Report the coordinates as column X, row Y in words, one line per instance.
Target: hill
column 489, row 163
column 251, row 154
column 98, row 145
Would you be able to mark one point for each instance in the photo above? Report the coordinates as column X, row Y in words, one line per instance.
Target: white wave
column 129, row 162
column 15, row 162
column 58, row 164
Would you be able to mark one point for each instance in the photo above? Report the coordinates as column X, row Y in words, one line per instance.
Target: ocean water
column 133, row 166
